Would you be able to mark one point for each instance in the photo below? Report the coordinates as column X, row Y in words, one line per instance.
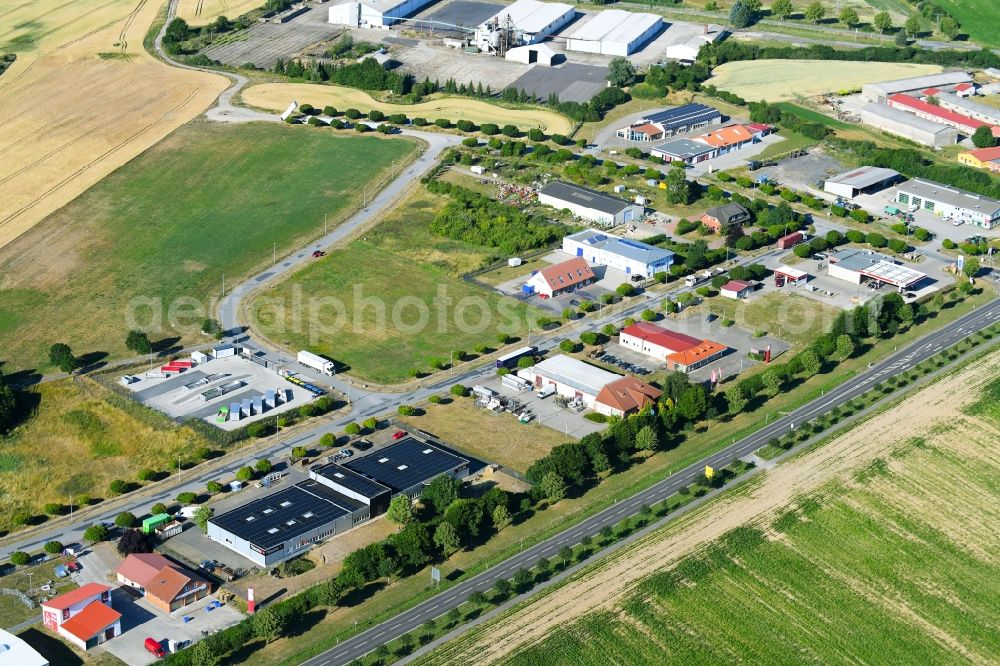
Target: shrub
column 158, row 508
column 118, row 487
column 186, row 498
column 353, row 114
column 875, row 240
column 406, row 410
column 861, row 215
column 327, row 440
column 370, row 423
column 897, row 245
column 802, row 250
column 146, row 475
column 19, row 558
column 257, row 430
column 510, row 130
column 419, row 122
column 376, row 115
column 536, row 134
column 443, row 123
column 489, row 129
column 214, row 487
column 855, row 236
column 53, row 509
column 126, row 519
column 263, row 466
column 459, row 390
column 948, row 244
column 470, row 142
column 329, row 111
column 53, row 547
column 465, row 125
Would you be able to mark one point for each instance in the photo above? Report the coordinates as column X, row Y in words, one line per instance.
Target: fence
column 23, row 598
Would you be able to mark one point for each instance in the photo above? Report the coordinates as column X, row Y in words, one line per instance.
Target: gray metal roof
column 683, row 148
column 904, row 118
column 955, row 102
column 854, row 259
column 584, row 196
column 574, row 373
column 623, row 247
column 921, row 82
column 863, row 177
column 928, row 189
column 405, row 464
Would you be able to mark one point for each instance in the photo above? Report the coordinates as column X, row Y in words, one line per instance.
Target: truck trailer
column 315, row 362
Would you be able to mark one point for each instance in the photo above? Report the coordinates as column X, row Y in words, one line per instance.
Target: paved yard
column 547, row 412
column 263, row 43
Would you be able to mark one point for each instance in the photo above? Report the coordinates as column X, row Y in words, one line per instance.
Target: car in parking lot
column 347, row 453
column 362, row 444
column 398, row 435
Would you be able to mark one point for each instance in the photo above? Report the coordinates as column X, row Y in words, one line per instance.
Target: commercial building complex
column 859, row 266
column 334, row 499
column 711, row 144
column 165, row 584
column 967, row 107
column 589, row 204
column 613, row 32
column 681, row 352
column 661, row 124
column 736, row 289
column 629, row 256
column 593, row 387
column 937, row 114
column 373, row 13
column 560, row 278
column 523, row 22
column 908, row 126
column 863, row 180
column 84, row 617
column 880, row 92
column 687, row 51
column 950, row 203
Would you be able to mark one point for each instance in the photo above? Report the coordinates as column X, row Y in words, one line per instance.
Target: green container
column 153, row 522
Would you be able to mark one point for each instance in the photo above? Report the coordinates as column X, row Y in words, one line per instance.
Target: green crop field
column 980, row 19
column 210, row 200
column 382, row 314
column 813, row 116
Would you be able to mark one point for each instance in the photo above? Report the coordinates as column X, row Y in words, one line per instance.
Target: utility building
column 908, row 126
column 374, row 13
column 589, row 204
column 572, row 378
column 858, row 266
column 685, row 118
column 629, row 256
column 950, row 203
column 560, row 278
column 524, row 22
column 863, row 180
column 614, row 32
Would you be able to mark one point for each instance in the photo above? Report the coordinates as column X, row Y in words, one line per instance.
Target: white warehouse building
column 614, row 32
column 908, row 126
column 589, row 204
column 373, row 13
column 950, row 203
column 629, row 256
column 572, row 378
column 532, row 21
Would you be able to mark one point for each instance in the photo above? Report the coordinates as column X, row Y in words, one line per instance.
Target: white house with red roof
column 84, row 616
column 561, row 278
column 736, row 289
column 653, row 340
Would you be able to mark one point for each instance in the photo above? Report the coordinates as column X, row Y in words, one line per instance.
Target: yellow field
column 276, row 96
column 71, row 116
column 200, row 12
column 780, row 80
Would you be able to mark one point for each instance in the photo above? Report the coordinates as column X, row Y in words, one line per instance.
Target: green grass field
column 210, row 200
column 980, row 19
column 813, row 116
column 385, row 314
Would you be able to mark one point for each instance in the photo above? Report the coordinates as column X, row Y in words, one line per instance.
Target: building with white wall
column 532, row 54
column 531, row 20
column 84, row 616
column 588, row 204
column 863, row 180
column 880, row 92
column 373, row 13
column 624, row 254
column 613, row 32
column 561, row 278
column 949, row 202
column 14, row 650
column 908, row 126
column 571, row 377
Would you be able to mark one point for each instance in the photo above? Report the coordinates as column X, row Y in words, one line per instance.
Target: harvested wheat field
column 82, row 99
column 201, row 12
column 883, row 545
column 276, row 96
column 781, row 80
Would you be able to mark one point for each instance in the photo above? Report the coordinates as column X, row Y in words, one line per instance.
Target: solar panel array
column 683, row 116
column 405, row 464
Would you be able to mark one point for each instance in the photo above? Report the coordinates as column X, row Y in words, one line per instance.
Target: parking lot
column 180, row 396
column 264, row 43
column 547, row 410
column 941, row 228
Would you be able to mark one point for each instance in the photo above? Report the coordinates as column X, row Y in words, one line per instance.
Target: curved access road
column 368, row 640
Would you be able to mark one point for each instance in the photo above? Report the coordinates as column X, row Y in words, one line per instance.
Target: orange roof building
column 166, row 585
column 561, row 278
column 625, row 396
column 726, row 139
column 704, row 352
column 681, row 352
column 84, row 617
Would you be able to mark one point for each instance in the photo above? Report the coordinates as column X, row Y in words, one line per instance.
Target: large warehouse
column 589, row 204
column 614, row 32
column 908, row 126
column 685, row 118
column 981, row 112
column 571, row 377
column 681, row 352
column 373, row 13
column 950, row 203
column 629, row 256
column 937, row 114
column 334, row 499
column 863, row 180
column 530, row 20
column 880, row 92
column 858, row 266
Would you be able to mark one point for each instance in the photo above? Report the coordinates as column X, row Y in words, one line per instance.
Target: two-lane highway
column 363, row 643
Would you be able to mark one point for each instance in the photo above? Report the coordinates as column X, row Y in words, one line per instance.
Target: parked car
column 347, row 453
column 319, row 253
column 362, row 444
column 153, row 646
column 398, row 435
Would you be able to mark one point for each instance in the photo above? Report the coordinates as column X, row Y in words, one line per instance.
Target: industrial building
column 334, row 499
column 721, row 218
column 681, row 352
column 857, row 266
column 524, row 22
column 560, row 278
column 165, row 584
column 626, row 255
column 589, row 204
column 937, row 114
column 950, row 203
column 908, row 126
column 373, row 13
column 984, row 158
column 625, row 396
column 863, row 180
column 614, row 32
column 711, row 144
column 572, row 378
column 670, row 122
column 736, row 289
column 880, row 92
column 84, row 617
column 684, row 150
column 687, row 51
column 532, row 54
column 967, row 107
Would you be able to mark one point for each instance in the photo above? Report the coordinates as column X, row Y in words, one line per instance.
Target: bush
column 186, row 498
column 567, row 346
column 126, row 519
column 897, row 245
column 263, row 466
column 376, row 115
column 353, row 114
column 327, row 440
column 443, row 123
column 802, row 250
column 470, row 142
column 19, row 558
column 53, row 547
column 875, row 240
column 257, row 430
column 329, row 111
column 459, row 390
column 53, row 509
column 118, row 487
column 489, row 129
column 510, row 130
column 419, row 122
column 861, row 215
column 466, row 125
column 855, row 236
column 214, row 487
column 406, row 410
column 948, row 244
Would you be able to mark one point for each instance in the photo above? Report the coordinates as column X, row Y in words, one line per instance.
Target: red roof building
column 736, row 289
column 164, row 583
column 930, row 92
column 934, row 113
column 680, row 352
column 561, row 278
column 84, row 616
column 704, row 352
column 625, row 396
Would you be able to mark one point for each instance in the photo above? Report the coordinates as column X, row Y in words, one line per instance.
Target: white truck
column 546, row 390
column 315, row 362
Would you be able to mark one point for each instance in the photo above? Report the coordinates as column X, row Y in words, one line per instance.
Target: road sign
column 435, row 575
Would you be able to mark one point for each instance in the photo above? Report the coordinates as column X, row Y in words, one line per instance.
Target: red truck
column 153, row 645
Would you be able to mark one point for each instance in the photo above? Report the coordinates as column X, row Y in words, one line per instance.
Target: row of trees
column 8, row 406
column 477, row 219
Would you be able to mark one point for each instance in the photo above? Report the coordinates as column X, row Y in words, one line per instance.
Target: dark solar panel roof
column 348, row 478
column 283, row 515
column 405, row 464
column 682, row 116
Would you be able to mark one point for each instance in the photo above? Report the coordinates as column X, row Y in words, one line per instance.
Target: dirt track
column 605, row 585
column 73, row 116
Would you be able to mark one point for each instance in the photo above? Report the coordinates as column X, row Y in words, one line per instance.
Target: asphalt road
column 365, row 642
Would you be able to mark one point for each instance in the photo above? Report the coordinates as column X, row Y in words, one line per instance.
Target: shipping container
column 151, row 523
